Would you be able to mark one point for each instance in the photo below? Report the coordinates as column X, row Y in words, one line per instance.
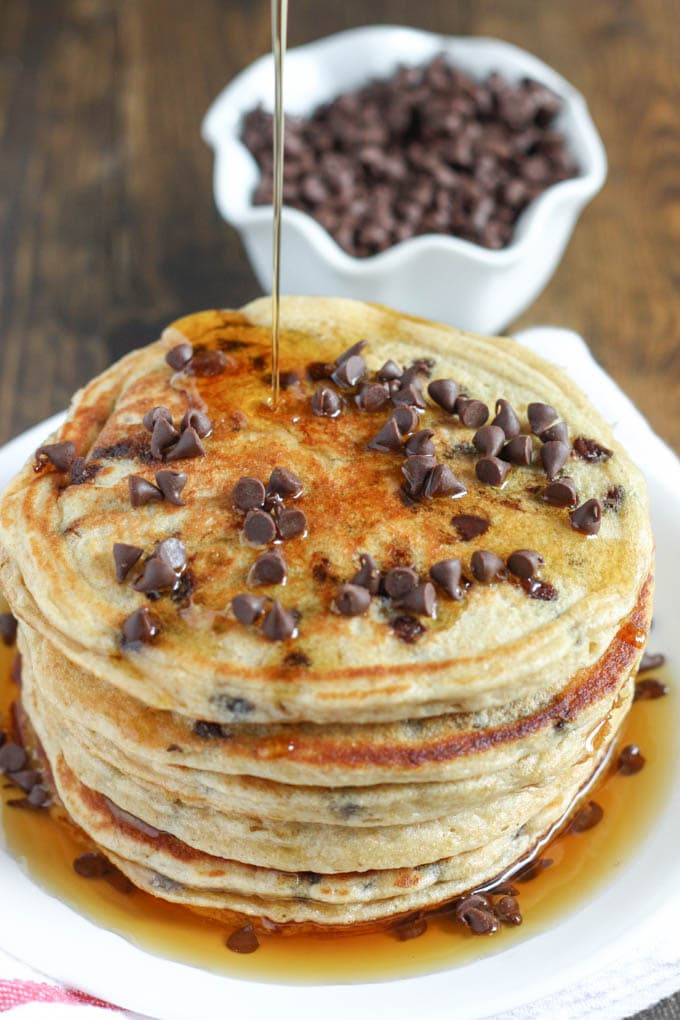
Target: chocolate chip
column 198, row 421
column 278, row 624
column 441, row 481
column 524, row 562
column 447, row 574
column 248, row 494
column 651, row 661
column 243, row 940
column 372, row 397
column 506, row 419
column 12, row 758
column 120, row 882
column 489, row 440
column 650, row 689
column 291, row 523
column 210, row 730
column 208, row 363
column 269, row 568
column 507, row 910
column 92, row 865
column 389, row 372
column 445, row 393
column 156, row 577
column 350, row 372
column 326, row 403
column 288, row 379
column 318, row 370
column 388, row 439
column 519, row 450
column 400, row 581
column 422, row 600
column 420, row 443
column 283, row 483
column 469, row 527
column 352, row 600
column 25, row 779
column 173, row 552
column 416, row 470
column 368, row 576
column 38, row 796
column 141, row 626
column 409, row 396
column 630, row 760
column 141, row 491
column 410, row 929
column 406, row 418
column 554, row 455
column 351, row 352
column 587, row 817
column 124, row 558
column 247, row 608
column 491, row 470
column 61, row 455
column 150, row 418
column 561, row 492
column 189, row 445
column 613, row 499
column 178, row 356
column 486, row 566
column 8, row 629
column 259, row 527
column 558, row 432
column 587, row 517
column 171, row 484
column 590, row 450
column 163, row 436
column 481, row 922
column 541, row 417
column 407, row 628
column 472, row 413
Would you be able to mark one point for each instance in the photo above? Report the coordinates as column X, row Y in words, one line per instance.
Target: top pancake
column 494, row 646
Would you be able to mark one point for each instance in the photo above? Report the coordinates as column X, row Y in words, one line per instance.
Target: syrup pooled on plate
column 582, row 862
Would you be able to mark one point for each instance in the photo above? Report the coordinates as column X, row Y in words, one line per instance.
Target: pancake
column 340, row 764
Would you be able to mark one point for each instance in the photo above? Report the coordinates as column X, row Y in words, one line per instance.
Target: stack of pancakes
column 367, row 765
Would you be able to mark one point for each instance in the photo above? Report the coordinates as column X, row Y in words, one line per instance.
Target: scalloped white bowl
column 434, row 275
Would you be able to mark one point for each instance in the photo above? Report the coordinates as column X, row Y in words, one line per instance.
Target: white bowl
column 434, row 275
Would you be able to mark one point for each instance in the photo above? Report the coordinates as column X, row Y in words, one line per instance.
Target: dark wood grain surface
column 107, row 225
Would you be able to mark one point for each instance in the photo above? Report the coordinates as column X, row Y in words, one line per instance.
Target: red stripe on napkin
column 17, row 993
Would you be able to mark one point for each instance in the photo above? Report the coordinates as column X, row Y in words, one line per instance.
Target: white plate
column 51, row 937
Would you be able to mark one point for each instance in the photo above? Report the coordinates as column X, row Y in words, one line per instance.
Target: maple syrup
column 582, row 862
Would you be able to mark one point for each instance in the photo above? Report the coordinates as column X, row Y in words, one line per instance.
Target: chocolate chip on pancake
column 284, row 483
column 519, row 450
column 13, row 758
column 248, row 494
column 243, row 940
column 247, row 608
column 445, row 393
column 326, row 403
column 524, row 562
column 441, row 481
column 420, row 443
column 352, row 600
column 279, row 623
column 259, row 527
column 407, row 628
column 269, row 568
column 630, row 761
column 197, row 420
column 554, row 455
column 486, row 566
column 410, row 395
column 613, row 499
column 541, row 417
column 188, row 446
column 587, row 517
column 561, row 492
column 651, row 661
column 416, row 470
column 372, row 397
column 141, row 627
column 422, row 600
column 650, row 689
column 489, row 440
column 8, row 629
column 150, row 418
column 447, row 574
column 491, row 470
column 406, row 419
column 472, row 413
column 399, row 581
column 208, row 364
column 179, row 356
column 350, row 369
column 124, row 557
column 164, row 435
column 469, row 526
column 60, row 455
column 368, row 576
column 352, row 352
column 389, row 372
column 388, row 439
column 171, row 484
column 559, row 432
column 157, row 576
column 506, row 419
column 141, row 491
column 290, row 523
column 591, row 450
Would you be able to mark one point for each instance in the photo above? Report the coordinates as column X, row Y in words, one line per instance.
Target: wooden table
column 107, row 225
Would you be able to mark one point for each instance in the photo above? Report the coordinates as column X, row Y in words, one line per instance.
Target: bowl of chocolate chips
column 440, row 175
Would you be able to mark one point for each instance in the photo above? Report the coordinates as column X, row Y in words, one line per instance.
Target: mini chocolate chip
column 406, row 419
column 141, row 626
column 558, row 432
column 326, row 403
column 351, row 352
column 210, row 730
column 368, row 575
column 178, row 356
column 410, row 929
column 350, row 372
column 198, row 421
column 12, row 758
column 163, row 436
column 38, row 796
column 291, row 523
column 8, row 629
column 651, row 661
column 388, row 439
column 283, row 483
column 422, row 600
column 149, row 419
column 372, row 397
column 630, row 760
column 420, row 443
column 469, row 527
column 472, row 413
column 489, row 440
column 614, row 497
column 399, row 581
column 590, row 450
column 519, row 450
column 561, row 492
column 92, row 865
column 248, row 494
column 60, row 455
column 269, row 568
column 650, row 689
column 173, row 552
column 171, row 484
column 481, row 922
column 447, row 574
column 587, row 817
column 416, row 470
column 259, row 527
column 389, row 372
column 421, row 366
column 141, row 491
column 243, row 940
column 507, row 910
column 410, row 395
column 445, row 393
column 124, row 558
column 157, row 576
column 491, row 470
column 587, row 517
column 506, row 419
column 554, row 456
column 441, row 481
column 208, row 363
column 25, row 779
column 352, row 600
column 189, row 445
column 120, row 882
column 541, row 417
column 278, row 624
column 288, row 379
column 247, row 608
column 318, row 370
column 524, row 562
column 486, row 566
column 407, row 628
